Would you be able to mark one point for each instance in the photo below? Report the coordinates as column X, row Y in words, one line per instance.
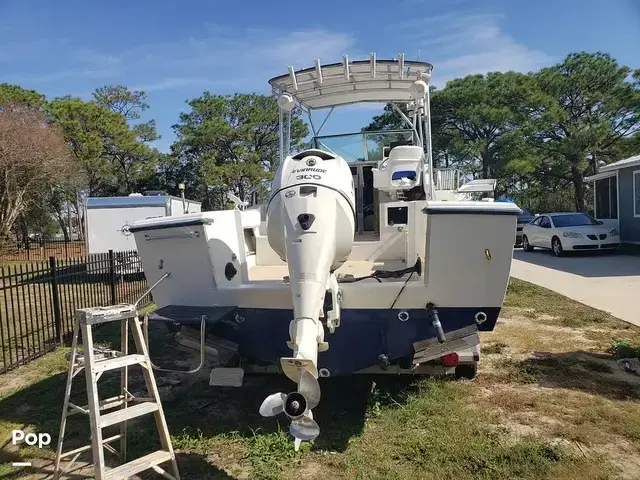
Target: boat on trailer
column 365, row 258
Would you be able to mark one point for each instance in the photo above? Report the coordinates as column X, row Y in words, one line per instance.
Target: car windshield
column 574, row 220
column 526, row 213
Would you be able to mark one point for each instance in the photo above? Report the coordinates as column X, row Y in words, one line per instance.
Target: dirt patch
column 41, row 368
column 623, row 455
column 583, row 423
column 524, row 334
column 557, row 382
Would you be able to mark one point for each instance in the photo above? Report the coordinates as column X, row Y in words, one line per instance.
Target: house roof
column 610, row 170
column 600, row 176
column 627, row 162
column 131, row 201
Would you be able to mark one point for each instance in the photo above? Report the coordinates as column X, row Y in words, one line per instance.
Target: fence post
column 112, row 277
column 55, row 296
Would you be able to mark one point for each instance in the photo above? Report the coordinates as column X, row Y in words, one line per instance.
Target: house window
column 606, row 198
column 636, row 193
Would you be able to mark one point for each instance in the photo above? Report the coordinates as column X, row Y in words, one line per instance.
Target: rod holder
column 435, row 321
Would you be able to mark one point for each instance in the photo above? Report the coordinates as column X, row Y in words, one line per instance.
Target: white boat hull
column 465, row 251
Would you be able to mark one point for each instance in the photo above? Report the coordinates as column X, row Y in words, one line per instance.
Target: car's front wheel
column 526, row 246
column 556, row 246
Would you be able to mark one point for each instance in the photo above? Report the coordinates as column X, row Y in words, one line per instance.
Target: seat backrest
column 405, row 153
column 405, row 162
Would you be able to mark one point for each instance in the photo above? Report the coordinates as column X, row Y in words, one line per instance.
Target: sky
column 176, row 50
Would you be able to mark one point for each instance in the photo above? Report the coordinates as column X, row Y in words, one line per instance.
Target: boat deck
column 357, row 268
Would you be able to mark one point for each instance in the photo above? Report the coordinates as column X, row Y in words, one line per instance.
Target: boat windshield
column 574, row 220
column 364, row 146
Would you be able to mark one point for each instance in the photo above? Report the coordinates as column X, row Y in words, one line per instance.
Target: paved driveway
column 606, row 282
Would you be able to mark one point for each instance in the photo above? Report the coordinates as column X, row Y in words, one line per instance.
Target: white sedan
column 568, row 232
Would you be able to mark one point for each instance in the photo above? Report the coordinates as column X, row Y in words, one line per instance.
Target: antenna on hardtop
column 185, row 210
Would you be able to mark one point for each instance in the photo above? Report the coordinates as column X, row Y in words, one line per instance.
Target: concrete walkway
column 610, row 282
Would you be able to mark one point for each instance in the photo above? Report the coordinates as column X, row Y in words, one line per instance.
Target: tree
column 474, row 121
column 119, row 99
column 33, row 157
column 482, row 115
column 15, row 96
column 108, row 149
column 132, row 156
column 591, row 104
column 37, row 219
column 86, row 128
column 441, row 138
column 389, row 119
column 229, row 142
column 627, row 147
column 130, row 104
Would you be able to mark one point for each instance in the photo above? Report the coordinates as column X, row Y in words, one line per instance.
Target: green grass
column 38, row 254
column 493, row 348
column 438, row 434
column 531, row 300
column 394, row 428
column 550, row 308
column 622, row 349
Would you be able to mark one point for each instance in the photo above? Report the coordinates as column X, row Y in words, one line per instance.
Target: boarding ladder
column 95, row 362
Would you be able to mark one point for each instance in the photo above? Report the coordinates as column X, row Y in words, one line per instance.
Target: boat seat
column 410, row 174
column 401, row 170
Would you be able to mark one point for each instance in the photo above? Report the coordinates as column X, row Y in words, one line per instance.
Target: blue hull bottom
column 363, row 334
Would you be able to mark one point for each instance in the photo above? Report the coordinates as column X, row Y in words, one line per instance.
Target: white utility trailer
column 107, row 221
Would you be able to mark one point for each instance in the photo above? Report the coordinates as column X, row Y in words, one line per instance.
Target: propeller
column 297, row 406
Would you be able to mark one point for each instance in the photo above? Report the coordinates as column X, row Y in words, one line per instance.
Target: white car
column 563, row 232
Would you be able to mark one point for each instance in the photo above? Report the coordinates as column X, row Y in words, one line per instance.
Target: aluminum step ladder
column 95, row 362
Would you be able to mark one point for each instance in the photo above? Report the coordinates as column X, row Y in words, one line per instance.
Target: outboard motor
column 310, row 225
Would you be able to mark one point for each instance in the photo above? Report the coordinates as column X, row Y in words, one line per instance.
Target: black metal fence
column 38, row 299
column 40, row 249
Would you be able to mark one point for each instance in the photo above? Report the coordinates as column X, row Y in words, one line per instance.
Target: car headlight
column 614, row 232
column 572, row 234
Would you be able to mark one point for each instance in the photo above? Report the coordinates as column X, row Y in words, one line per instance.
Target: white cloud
column 171, row 83
column 223, row 59
column 219, row 58
column 50, row 61
column 463, row 43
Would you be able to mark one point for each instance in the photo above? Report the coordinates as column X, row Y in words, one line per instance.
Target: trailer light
column 450, row 360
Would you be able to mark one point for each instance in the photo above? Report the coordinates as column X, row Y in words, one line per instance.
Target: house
column 617, row 197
